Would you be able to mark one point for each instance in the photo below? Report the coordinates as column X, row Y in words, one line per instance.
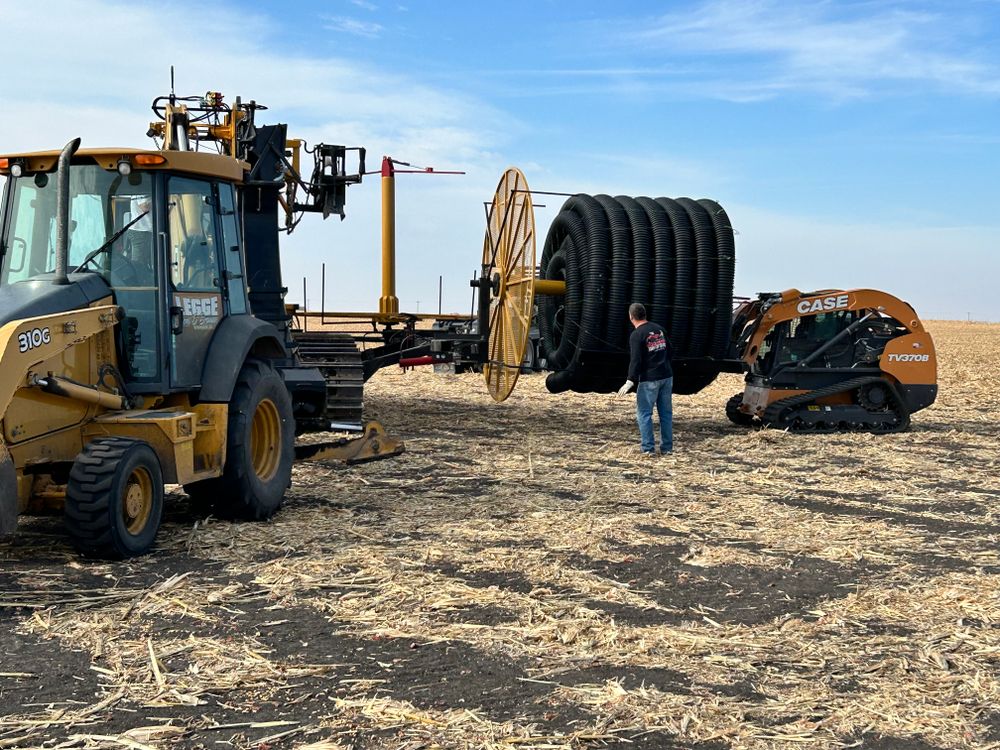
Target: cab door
column 195, row 296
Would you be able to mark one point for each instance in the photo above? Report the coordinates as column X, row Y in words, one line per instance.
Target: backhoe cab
column 143, row 333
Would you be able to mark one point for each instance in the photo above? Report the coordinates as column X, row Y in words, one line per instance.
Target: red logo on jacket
column 655, row 342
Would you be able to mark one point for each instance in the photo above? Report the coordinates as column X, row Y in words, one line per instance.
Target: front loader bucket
column 8, row 493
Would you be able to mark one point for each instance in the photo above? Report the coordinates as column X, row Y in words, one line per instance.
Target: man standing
column 649, row 367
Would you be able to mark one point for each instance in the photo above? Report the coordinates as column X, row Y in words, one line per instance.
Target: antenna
column 172, row 97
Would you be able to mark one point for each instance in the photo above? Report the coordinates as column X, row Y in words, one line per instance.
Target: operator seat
column 199, row 266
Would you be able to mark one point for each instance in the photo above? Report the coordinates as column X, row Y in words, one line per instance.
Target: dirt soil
column 523, row 578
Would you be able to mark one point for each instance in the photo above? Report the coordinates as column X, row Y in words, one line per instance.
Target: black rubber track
column 734, row 414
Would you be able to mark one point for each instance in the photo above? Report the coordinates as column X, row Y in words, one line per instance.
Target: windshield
column 102, row 203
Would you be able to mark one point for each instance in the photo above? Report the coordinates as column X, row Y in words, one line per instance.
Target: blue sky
column 852, row 143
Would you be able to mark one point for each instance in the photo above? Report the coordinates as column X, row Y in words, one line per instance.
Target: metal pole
column 388, row 303
column 322, row 299
column 303, row 294
column 475, row 286
column 440, row 291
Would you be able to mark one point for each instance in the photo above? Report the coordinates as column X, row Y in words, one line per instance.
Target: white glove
column 625, row 388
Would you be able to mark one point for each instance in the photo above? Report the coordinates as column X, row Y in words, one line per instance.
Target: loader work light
column 15, row 167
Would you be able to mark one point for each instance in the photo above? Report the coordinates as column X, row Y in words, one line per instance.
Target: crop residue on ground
column 522, row 578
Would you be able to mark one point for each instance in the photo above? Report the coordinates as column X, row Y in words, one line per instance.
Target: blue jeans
column 647, row 394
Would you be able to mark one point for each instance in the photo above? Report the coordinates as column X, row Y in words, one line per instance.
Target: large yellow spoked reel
column 509, row 259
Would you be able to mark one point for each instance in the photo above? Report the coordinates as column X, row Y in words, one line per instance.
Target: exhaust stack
column 62, row 211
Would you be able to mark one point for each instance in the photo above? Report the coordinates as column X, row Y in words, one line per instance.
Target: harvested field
column 522, row 578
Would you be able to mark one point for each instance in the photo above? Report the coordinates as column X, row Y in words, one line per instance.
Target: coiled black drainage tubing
column 619, row 288
column 706, row 278
column 552, row 311
column 660, row 258
column 674, row 256
column 594, row 257
column 560, row 253
column 681, row 296
column 642, row 246
column 726, row 274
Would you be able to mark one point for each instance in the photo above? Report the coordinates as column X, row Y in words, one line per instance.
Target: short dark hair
column 637, row 311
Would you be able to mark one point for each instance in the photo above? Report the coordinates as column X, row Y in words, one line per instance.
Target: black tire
column 530, row 363
column 114, row 498
column 255, row 478
column 8, row 494
column 736, row 416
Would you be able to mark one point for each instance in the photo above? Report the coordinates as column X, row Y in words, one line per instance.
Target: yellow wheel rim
column 265, row 440
column 509, row 254
column 138, row 501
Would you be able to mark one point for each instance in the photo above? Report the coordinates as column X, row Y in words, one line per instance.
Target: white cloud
column 102, row 93
column 354, row 26
column 784, row 46
column 364, row 4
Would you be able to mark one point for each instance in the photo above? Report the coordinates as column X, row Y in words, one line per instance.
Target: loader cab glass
column 792, row 341
column 111, row 232
column 195, row 278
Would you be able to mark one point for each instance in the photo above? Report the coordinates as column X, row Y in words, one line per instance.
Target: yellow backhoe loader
column 144, row 338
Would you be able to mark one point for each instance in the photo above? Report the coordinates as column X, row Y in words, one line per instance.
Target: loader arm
column 24, row 345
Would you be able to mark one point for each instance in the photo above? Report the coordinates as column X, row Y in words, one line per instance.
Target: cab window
column 232, row 252
column 191, row 225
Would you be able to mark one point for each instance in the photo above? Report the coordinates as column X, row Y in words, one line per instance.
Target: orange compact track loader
column 832, row 360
